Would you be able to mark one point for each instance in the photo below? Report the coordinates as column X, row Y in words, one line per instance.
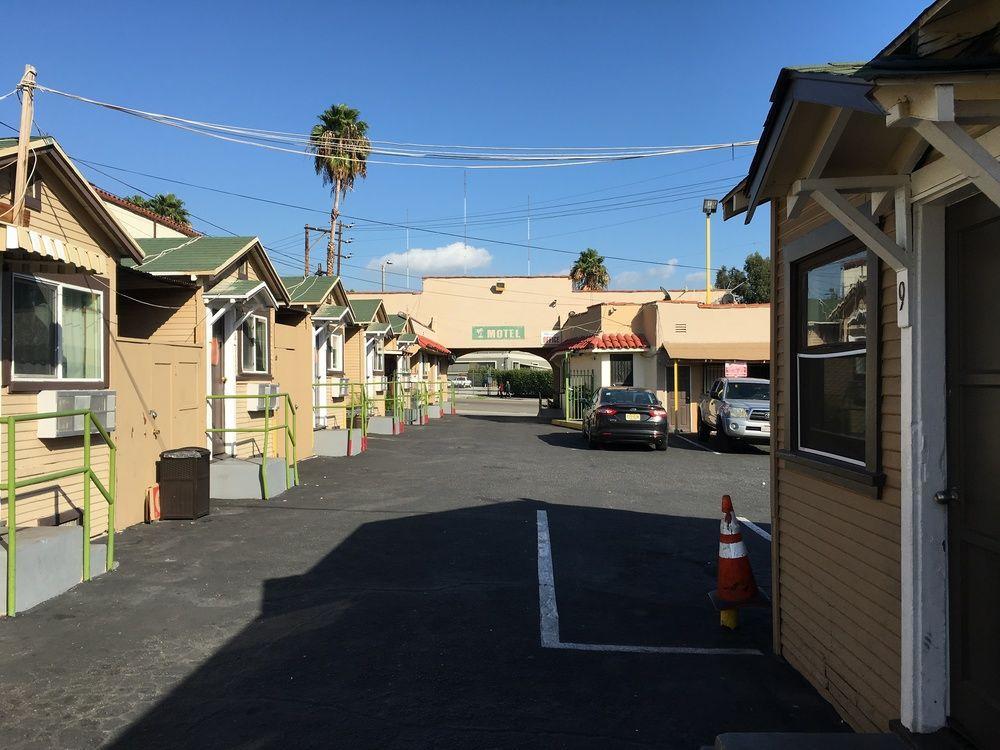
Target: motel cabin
column 883, row 188
column 85, row 330
column 364, row 352
column 677, row 348
column 241, row 292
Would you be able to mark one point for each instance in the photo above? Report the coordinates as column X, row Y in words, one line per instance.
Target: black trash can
column 183, row 476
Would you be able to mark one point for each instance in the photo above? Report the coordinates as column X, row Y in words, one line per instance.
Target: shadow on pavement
column 499, row 417
column 423, row 631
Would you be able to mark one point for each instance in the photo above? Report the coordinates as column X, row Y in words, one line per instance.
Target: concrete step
column 49, row 562
column 239, row 478
column 334, row 442
column 382, row 426
column 808, row 741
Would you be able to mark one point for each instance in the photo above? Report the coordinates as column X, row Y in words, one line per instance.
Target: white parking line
column 549, row 613
column 754, row 527
column 696, row 445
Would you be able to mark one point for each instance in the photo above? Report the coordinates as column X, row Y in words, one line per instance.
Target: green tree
column 751, row 284
column 758, row 273
column 340, row 141
column 168, row 205
column 589, row 271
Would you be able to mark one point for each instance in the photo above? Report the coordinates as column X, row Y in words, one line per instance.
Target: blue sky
column 516, row 73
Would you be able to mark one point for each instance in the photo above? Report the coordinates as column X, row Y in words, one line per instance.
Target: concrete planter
column 239, row 479
column 381, row 426
column 335, row 443
column 434, row 411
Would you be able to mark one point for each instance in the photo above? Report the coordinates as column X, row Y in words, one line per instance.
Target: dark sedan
column 625, row 415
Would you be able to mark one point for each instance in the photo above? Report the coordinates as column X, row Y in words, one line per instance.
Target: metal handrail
column 13, row 484
column 291, row 460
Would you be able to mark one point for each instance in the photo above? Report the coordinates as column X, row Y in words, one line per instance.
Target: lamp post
column 382, row 268
column 709, row 207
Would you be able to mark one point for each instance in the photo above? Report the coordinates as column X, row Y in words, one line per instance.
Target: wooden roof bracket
column 937, row 117
column 832, row 129
column 827, row 193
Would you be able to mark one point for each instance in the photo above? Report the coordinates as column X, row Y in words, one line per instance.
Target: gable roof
column 333, row 313
column 48, row 149
column 201, row 256
column 309, row 290
column 398, row 322
column 207, row 256
column 432, row 346
column 366, row 310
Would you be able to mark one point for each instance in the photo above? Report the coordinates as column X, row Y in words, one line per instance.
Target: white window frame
column 252, row 318
column 335, row 346
column 58, row 374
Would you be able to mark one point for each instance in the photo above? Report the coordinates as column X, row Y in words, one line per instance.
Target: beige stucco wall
column 139, row 226
column 453, row 306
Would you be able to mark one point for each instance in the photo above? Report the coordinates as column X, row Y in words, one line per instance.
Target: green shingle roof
column 189, row 254
column 330, row 312
column 236, row 288
column 832, row 68
column 378, row 328
column 308, row 290
column 364, row 309
column 398, row 323
column 407, row 338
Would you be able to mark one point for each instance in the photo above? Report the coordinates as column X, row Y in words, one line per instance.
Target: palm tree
column 168, row 205
column 589, row 271
column 341, row 145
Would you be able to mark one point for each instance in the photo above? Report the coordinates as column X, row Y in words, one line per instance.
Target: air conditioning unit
column 102, row 403
column 265, row 392
column 337, row 387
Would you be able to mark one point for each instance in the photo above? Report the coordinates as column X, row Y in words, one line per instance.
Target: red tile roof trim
column 432, row 346
column 603, row 341
column 128, row 205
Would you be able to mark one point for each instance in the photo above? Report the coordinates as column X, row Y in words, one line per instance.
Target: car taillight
column 606, row 411
column 658, row 413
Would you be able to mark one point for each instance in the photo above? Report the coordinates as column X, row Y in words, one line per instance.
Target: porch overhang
column 752, row 351
column 241, row 290
column 44, row 247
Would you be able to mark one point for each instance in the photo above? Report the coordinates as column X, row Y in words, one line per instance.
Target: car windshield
column 640, row 398
column 749, row 391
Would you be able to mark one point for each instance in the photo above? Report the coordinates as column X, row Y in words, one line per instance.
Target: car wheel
column 703, row 429
column 661, row 445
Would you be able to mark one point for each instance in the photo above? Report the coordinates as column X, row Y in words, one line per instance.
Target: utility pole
column 27, row 89
column 529, row 235
column 465, row 221
column 341, row 226
column 306, row 272
column 309, row 228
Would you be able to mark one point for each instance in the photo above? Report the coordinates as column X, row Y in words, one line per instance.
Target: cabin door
column 973, row 337
column 218, row 405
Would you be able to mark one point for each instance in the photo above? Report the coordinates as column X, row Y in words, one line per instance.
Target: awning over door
column 50, row 248
column 752, row 351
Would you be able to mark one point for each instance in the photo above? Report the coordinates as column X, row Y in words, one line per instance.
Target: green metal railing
column 353, row 406
column 14, row 484
column 288, row 426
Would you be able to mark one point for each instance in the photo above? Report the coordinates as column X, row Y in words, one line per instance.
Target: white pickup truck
column 737, row 409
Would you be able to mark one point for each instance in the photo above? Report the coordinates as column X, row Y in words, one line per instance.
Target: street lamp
column 382, row 267
column 709, row 206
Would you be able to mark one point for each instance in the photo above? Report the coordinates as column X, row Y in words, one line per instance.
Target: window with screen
column 254, row 346
column 621, row 369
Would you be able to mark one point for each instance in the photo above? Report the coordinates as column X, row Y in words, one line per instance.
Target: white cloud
column 449, row 259
column 652, row 275
column 695, row 280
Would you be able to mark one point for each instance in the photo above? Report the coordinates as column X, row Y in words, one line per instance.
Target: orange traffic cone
column 736, row 586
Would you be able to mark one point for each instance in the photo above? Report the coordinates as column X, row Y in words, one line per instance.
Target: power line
column 355, row 217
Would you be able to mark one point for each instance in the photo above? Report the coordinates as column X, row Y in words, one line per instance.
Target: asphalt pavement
column 393, row 601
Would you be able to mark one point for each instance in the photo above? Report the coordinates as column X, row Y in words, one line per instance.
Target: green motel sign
column 497, row 333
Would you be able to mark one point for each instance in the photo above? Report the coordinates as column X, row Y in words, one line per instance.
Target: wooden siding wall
column 62, row 501
column 836, row 552
column 292, row 365
column 165, row 323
